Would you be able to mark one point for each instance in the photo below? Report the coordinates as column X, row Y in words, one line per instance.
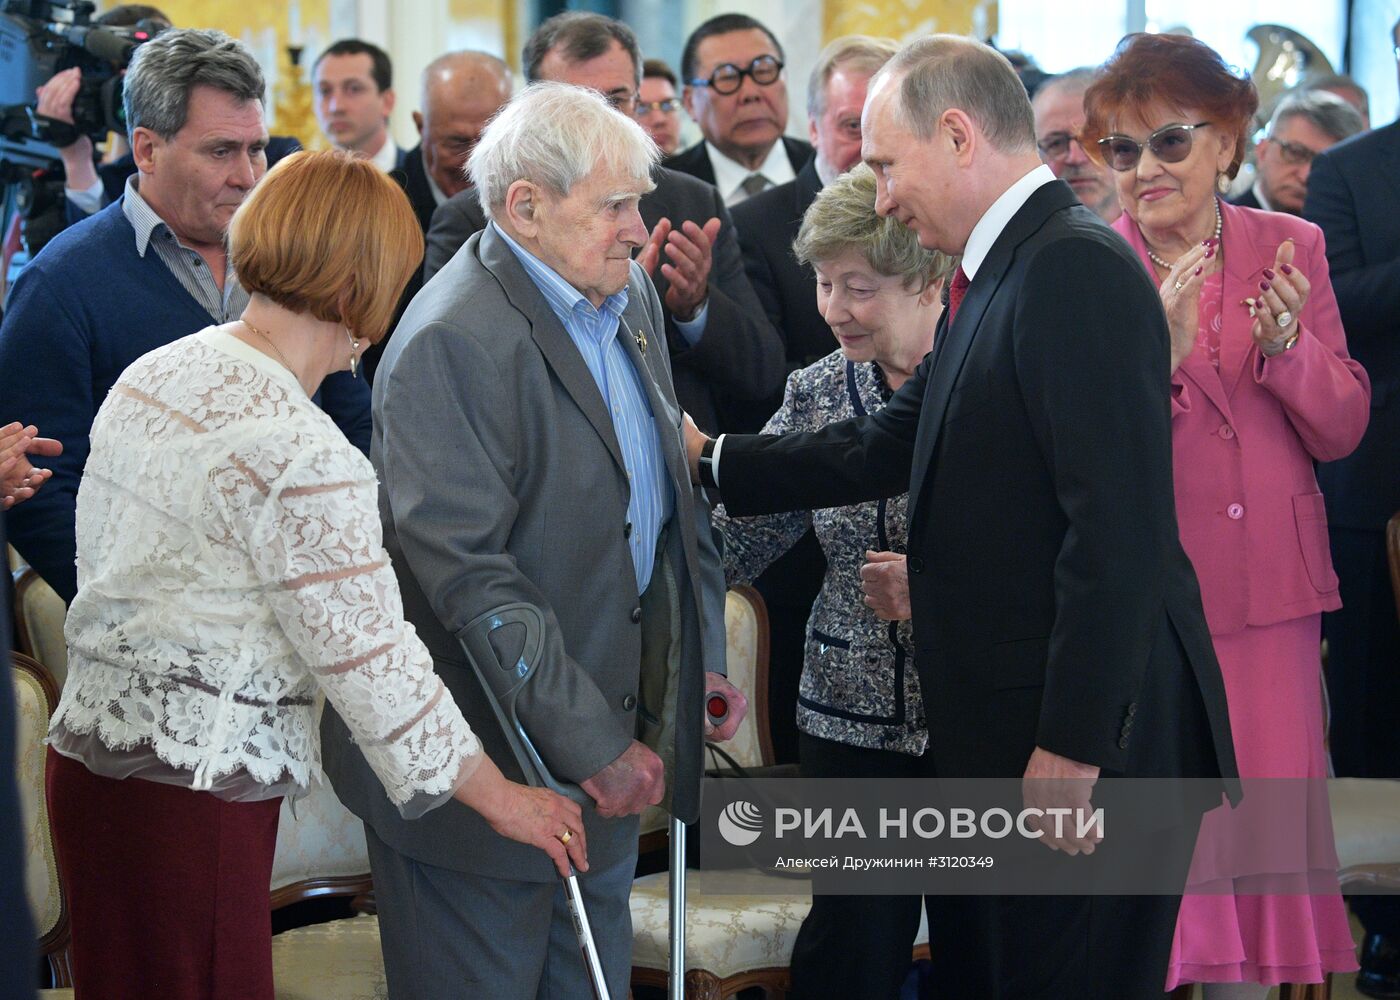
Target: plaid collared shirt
column 187, row 265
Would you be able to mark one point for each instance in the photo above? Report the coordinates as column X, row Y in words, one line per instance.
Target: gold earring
column 354, row 354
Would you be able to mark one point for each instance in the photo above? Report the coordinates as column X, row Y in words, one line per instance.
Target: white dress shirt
column 984, row 235
column 731, row 174
column 979, row 243
column 387, row 158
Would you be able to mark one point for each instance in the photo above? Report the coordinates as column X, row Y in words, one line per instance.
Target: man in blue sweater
column 143, row 272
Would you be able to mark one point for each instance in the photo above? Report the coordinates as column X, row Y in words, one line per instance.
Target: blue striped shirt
column 594, row 333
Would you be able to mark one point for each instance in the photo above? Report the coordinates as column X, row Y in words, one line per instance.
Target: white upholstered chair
column 321, row 852
column 733, row 941
column 35, row 698
column 39, row 616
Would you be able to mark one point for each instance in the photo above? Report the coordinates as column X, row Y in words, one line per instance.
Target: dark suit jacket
column 412, row 176
column 738, row 360
column 1246, row 199
column 1354, row 195
column 695, row 161
column 767, row 225
column 1053, row 605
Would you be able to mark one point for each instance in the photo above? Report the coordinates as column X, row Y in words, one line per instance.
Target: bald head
column 461, row 91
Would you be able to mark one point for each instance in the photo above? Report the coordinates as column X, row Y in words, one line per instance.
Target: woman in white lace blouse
column 230, row 570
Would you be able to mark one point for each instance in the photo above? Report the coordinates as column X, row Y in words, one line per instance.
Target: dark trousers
column 1363, row 683
column 1363, row 660
column 987, row 947
column 854, row 946
column 167, row 887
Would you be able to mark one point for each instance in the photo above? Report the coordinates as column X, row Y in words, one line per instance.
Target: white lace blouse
column 230, row 567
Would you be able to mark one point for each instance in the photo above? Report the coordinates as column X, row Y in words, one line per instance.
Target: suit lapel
column 552, row 339
column 1244, row 269
column 955, row 340
column 1390, row 149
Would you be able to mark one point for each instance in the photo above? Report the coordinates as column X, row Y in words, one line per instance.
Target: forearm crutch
column 717, row 709
column 503, row 681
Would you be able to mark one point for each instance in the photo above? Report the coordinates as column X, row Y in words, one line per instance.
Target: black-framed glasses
column 1170, row 144
column 1055, row 146
column 727, row 78
column 1293, row 153
column 667, row 106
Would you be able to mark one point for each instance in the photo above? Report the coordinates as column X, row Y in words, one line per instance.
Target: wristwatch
column 707, row 465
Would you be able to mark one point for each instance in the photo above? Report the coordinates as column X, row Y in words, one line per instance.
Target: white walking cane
column 503, row 682
column 717, row 709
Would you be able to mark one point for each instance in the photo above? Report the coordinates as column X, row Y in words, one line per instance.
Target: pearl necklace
column 1167, row 267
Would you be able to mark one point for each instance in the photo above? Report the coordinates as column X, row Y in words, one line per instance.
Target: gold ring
column 1178, row 284
column 566, row 836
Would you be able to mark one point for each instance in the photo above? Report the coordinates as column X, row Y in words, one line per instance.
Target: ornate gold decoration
column 905, row 19
column 293, row 111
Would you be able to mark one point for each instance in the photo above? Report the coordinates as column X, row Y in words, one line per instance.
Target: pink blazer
column 1247, row 503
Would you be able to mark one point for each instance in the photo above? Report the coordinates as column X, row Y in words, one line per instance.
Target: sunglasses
column 1170, row 144
column 728, row 78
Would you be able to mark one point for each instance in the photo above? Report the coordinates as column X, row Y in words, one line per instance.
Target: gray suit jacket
column 739, row 359
column 503, row 482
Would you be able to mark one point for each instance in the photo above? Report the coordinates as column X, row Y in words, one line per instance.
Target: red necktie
column 956, row 291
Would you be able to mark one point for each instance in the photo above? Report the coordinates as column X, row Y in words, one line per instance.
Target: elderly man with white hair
column 528, row 438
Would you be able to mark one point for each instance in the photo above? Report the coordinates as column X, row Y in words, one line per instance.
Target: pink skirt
column 1273, row 685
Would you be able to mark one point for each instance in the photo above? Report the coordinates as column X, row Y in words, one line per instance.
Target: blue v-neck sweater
column 79, row 314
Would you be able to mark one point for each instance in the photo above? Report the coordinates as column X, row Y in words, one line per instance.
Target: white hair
column 555, row 135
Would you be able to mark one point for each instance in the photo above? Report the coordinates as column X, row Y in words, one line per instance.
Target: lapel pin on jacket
column 641, row 340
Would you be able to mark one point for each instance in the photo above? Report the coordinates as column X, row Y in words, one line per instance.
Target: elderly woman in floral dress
column 859, row 712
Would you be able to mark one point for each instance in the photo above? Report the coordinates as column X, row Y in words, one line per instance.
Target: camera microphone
column 104, row 43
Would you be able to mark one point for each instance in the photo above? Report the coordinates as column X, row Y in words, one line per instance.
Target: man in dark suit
column 1303, row 125
column 768, row 222
column 1354, row 195
column 354, row 84
column 1057, row 618
column 767, row 225
column 461, row 91
column 734, row 88
column 723, row 349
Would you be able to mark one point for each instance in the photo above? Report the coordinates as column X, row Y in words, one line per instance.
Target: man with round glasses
column 734, row 89
column 1302, row 126
column 1059, row 115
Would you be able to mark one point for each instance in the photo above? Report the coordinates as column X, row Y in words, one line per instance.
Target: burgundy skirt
column 168, row 888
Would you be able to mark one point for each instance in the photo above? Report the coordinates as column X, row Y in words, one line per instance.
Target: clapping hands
column 19, row 477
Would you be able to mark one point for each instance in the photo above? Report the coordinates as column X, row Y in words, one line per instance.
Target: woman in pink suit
column 1262, row 386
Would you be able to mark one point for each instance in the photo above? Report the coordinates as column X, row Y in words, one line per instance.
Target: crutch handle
column 716, row 708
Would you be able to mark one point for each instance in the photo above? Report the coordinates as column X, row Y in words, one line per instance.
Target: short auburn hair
column 1177, row 71
column 328, row 234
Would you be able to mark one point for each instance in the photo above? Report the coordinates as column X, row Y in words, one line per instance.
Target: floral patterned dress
column 858, row 684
